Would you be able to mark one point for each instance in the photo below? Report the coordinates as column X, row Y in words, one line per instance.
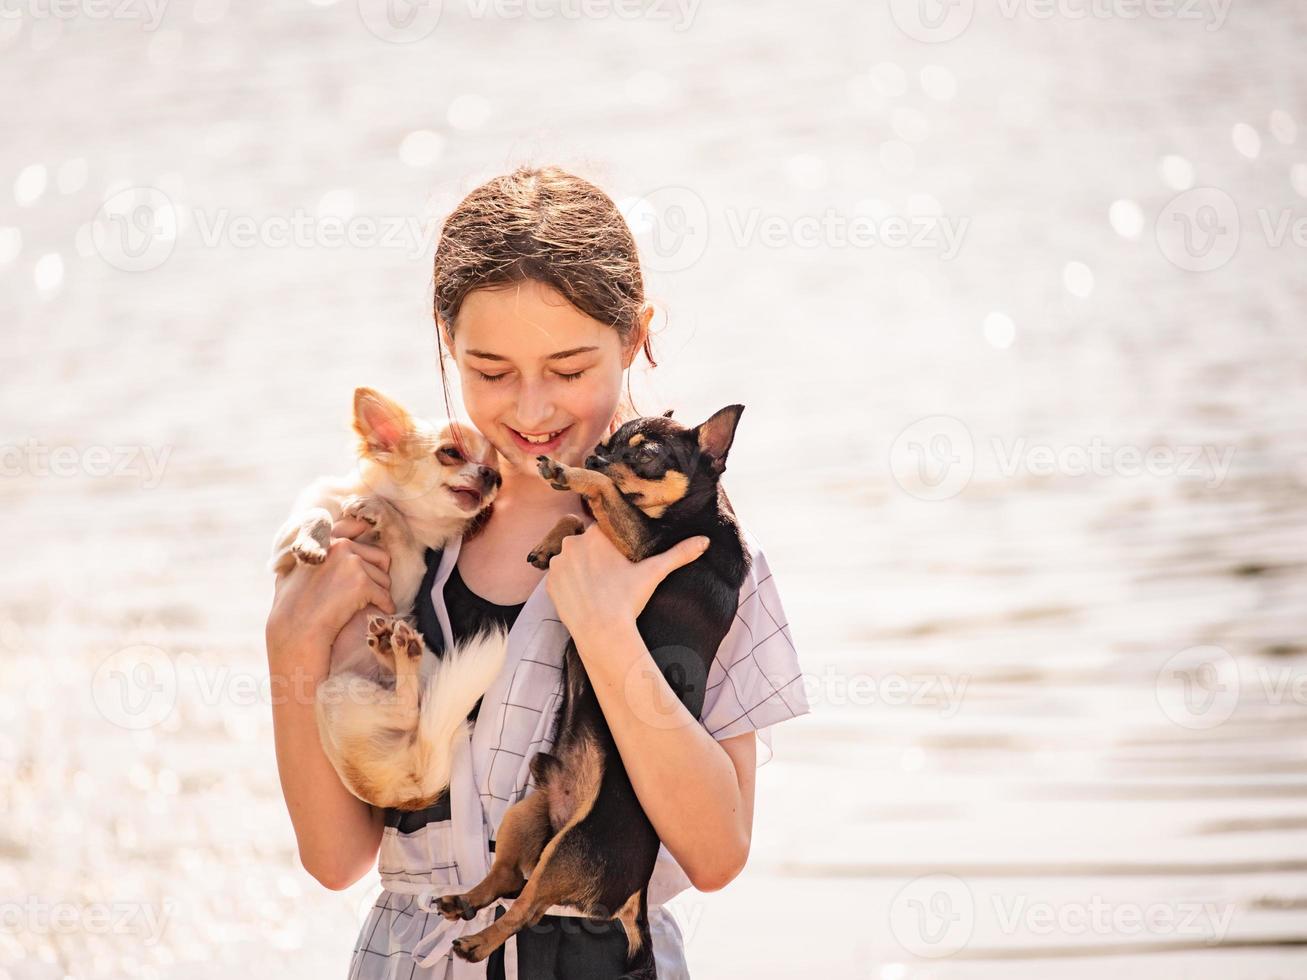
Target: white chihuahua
column 388, row 714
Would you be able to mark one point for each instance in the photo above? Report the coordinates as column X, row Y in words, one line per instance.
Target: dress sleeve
column 755, row 680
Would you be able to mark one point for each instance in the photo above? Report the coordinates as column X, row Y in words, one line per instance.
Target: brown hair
column 550, row 226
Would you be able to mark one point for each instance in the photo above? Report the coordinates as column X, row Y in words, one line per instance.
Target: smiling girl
column 539, row 302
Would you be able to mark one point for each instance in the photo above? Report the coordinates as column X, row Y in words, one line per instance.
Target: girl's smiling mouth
column 531, row 446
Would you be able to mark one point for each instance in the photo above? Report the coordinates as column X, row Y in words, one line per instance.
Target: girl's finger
column 380, row 598
column 369, row 552
column 349, row 527
column 377, row 575
column 682, row 553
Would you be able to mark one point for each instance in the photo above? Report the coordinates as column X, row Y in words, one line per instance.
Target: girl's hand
column 593, row 585
column 313, row 602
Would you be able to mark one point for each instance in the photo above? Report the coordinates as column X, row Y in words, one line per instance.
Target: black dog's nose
column 595, row 462
column 489, row 476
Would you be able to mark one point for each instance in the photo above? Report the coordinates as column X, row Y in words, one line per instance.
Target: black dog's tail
column 641, row 964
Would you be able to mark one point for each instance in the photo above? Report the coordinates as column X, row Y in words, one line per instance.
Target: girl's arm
column 696, row 791
column 338, row 835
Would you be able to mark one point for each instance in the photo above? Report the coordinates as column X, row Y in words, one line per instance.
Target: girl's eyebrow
column 486, row 355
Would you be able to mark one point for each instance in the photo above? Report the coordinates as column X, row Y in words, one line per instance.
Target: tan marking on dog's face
column 651, row 496
column 636, row 439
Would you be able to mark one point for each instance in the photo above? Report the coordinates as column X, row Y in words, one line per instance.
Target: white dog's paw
column 369, row 510
column 310, row 544
column 405, row 640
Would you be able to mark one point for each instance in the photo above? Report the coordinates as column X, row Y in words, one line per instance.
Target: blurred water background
column 1013, row 293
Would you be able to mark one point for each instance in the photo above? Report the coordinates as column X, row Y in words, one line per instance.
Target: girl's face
column 533, row 365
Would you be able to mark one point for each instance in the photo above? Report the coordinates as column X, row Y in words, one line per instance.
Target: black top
column 469, row 614
column 557, row 947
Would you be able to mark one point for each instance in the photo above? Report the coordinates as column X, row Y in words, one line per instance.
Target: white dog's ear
column 382, row 425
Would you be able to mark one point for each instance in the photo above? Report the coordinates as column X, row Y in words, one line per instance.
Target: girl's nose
column 534, row 411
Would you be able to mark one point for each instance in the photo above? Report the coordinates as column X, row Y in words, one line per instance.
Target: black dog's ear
column 668, row 414
column 716, row 435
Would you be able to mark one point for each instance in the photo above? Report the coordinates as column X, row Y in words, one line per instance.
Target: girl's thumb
column 690, row 549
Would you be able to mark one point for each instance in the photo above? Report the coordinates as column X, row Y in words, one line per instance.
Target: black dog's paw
column 553, row 472
column 454, row 907
column 468, row 948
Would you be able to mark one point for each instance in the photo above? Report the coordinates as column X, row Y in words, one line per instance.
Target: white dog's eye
column 449, row 454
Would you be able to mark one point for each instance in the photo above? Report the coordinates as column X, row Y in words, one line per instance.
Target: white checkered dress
column 754, row 683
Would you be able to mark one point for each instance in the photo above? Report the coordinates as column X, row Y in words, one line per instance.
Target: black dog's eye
column 449, row 454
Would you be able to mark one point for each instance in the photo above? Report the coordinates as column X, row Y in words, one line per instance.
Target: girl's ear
column 638, row 335
column 446, row 338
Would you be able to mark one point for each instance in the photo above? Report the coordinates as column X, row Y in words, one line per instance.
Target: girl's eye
column 499, row 377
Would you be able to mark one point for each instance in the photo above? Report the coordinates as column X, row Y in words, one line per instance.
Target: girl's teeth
column 539, row 439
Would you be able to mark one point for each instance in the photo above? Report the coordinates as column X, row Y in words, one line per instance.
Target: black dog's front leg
column 629, row 529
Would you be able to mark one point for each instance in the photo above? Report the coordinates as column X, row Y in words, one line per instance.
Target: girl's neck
column 529, row 498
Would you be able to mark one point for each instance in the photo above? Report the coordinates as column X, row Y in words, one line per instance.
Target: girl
column 540, row 303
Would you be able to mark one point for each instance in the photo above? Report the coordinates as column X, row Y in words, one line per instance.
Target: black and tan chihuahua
column 582, row 839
